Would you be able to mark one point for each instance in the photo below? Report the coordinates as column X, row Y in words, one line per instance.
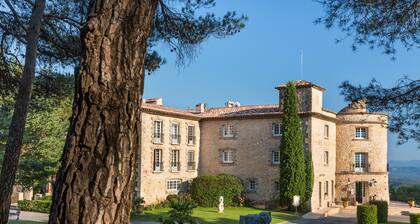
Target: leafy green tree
column 292, row 157
column 309, row 168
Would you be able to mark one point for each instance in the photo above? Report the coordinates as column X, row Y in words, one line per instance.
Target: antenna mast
column 301, row 64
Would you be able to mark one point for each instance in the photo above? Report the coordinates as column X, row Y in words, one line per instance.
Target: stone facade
column 244, row 141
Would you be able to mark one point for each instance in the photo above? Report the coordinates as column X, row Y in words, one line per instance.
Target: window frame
column 227, row 131
column 189, row 161
column 273, row 153
column 252, row 182
column 159, row 161
column 176, row 135
column 273, row 129
column 231, row 157
column 191, row 134
column 359, row 134
column 176, row 183
column 361, row 162
column 326, row 157
column 326, row 131
column 158, row 134
column 175, row 158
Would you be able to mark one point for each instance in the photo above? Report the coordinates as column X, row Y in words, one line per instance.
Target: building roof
column 241, row 111
column 301, row 84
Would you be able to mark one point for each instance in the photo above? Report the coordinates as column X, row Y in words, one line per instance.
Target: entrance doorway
column 360, row 191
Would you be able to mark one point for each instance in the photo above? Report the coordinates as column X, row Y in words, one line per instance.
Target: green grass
column 211, row 216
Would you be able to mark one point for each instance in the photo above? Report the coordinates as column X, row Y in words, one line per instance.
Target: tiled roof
column 301, row 83
column 241, row 111
column 216, row 112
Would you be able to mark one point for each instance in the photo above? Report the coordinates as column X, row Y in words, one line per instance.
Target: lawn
column 210, row 215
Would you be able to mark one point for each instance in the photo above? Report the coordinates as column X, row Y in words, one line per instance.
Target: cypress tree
column 293, row 178
column 309, row 178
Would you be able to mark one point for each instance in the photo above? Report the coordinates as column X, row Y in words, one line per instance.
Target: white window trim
column 224, row 159
column 173, row 184
column 227, row 131
column 175, row 140
column 159, row 161
column 272, row 157
column 360, row 132
column 158, row 140
column 273, row 129
column 175, row 154
column 192, row 142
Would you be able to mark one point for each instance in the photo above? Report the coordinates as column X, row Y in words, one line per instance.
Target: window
column 252, row 185
column 332, row 189
column 361, row 133
column 326, row 188
column 227, row 130
column 191, row 160
column 276, row 186
column 175, row 134
column 326, row 131
column 326, row 157
column 157, row 132
column 275, row 128
column 360, row 162
column 275, row 157
column 157, row 160
column 227, row 156
column 174, row 184
column 175, row 160
column 191, row 135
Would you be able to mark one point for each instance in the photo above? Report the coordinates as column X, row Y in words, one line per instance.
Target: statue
column 221, row 205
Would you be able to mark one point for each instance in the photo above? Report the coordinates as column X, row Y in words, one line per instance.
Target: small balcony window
column 175, row 166
column 157, row 160
column 360, row 162
column 175, row 134
column 157, row 132
column 191, row 160
column 191, row 135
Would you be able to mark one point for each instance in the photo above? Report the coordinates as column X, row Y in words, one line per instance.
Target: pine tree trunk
column 94, row 183
column 17, row 125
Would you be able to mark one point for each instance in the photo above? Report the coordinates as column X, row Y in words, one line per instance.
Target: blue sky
column 246, row 67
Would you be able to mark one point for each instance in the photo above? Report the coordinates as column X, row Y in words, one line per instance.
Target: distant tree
column 99, row 155
column 402, row 102
column 382, row 24
column 293, row 178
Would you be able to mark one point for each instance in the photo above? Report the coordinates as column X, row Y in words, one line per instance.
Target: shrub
column 367, row 214
column 382, row 207
column 182, row 208
column 415, row 218
column 206, row 190
column 42, row 206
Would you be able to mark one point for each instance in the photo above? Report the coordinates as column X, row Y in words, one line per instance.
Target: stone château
column 349, row 148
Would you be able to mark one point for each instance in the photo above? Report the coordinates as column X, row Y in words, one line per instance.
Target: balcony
column 158, row 138
column 175, row 139
column 363, row 169
column 191, row 166
column 175, row 166
column 191, row 140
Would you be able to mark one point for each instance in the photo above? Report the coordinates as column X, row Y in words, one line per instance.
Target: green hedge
column 367, row 214
column 42, row 206
column 415, row 218
column 382, row 207
column 206, row 190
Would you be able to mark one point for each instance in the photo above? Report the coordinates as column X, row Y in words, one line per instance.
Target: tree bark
column 17, row 126
column 94, row 183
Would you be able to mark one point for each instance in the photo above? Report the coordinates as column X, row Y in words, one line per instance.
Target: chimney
column 155, row 101
column 232, row 104
column 200, row 108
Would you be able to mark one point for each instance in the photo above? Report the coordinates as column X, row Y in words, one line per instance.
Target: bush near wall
column 382, row 207
column 206, row 190
column 415, row 218
column 367, row 214
column 42, row 206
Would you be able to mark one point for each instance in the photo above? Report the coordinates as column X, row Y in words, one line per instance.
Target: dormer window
column 361, row 133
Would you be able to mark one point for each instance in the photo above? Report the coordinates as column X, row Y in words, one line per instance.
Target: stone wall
column 375, row 145
column 152, row 184
column 252, row 143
